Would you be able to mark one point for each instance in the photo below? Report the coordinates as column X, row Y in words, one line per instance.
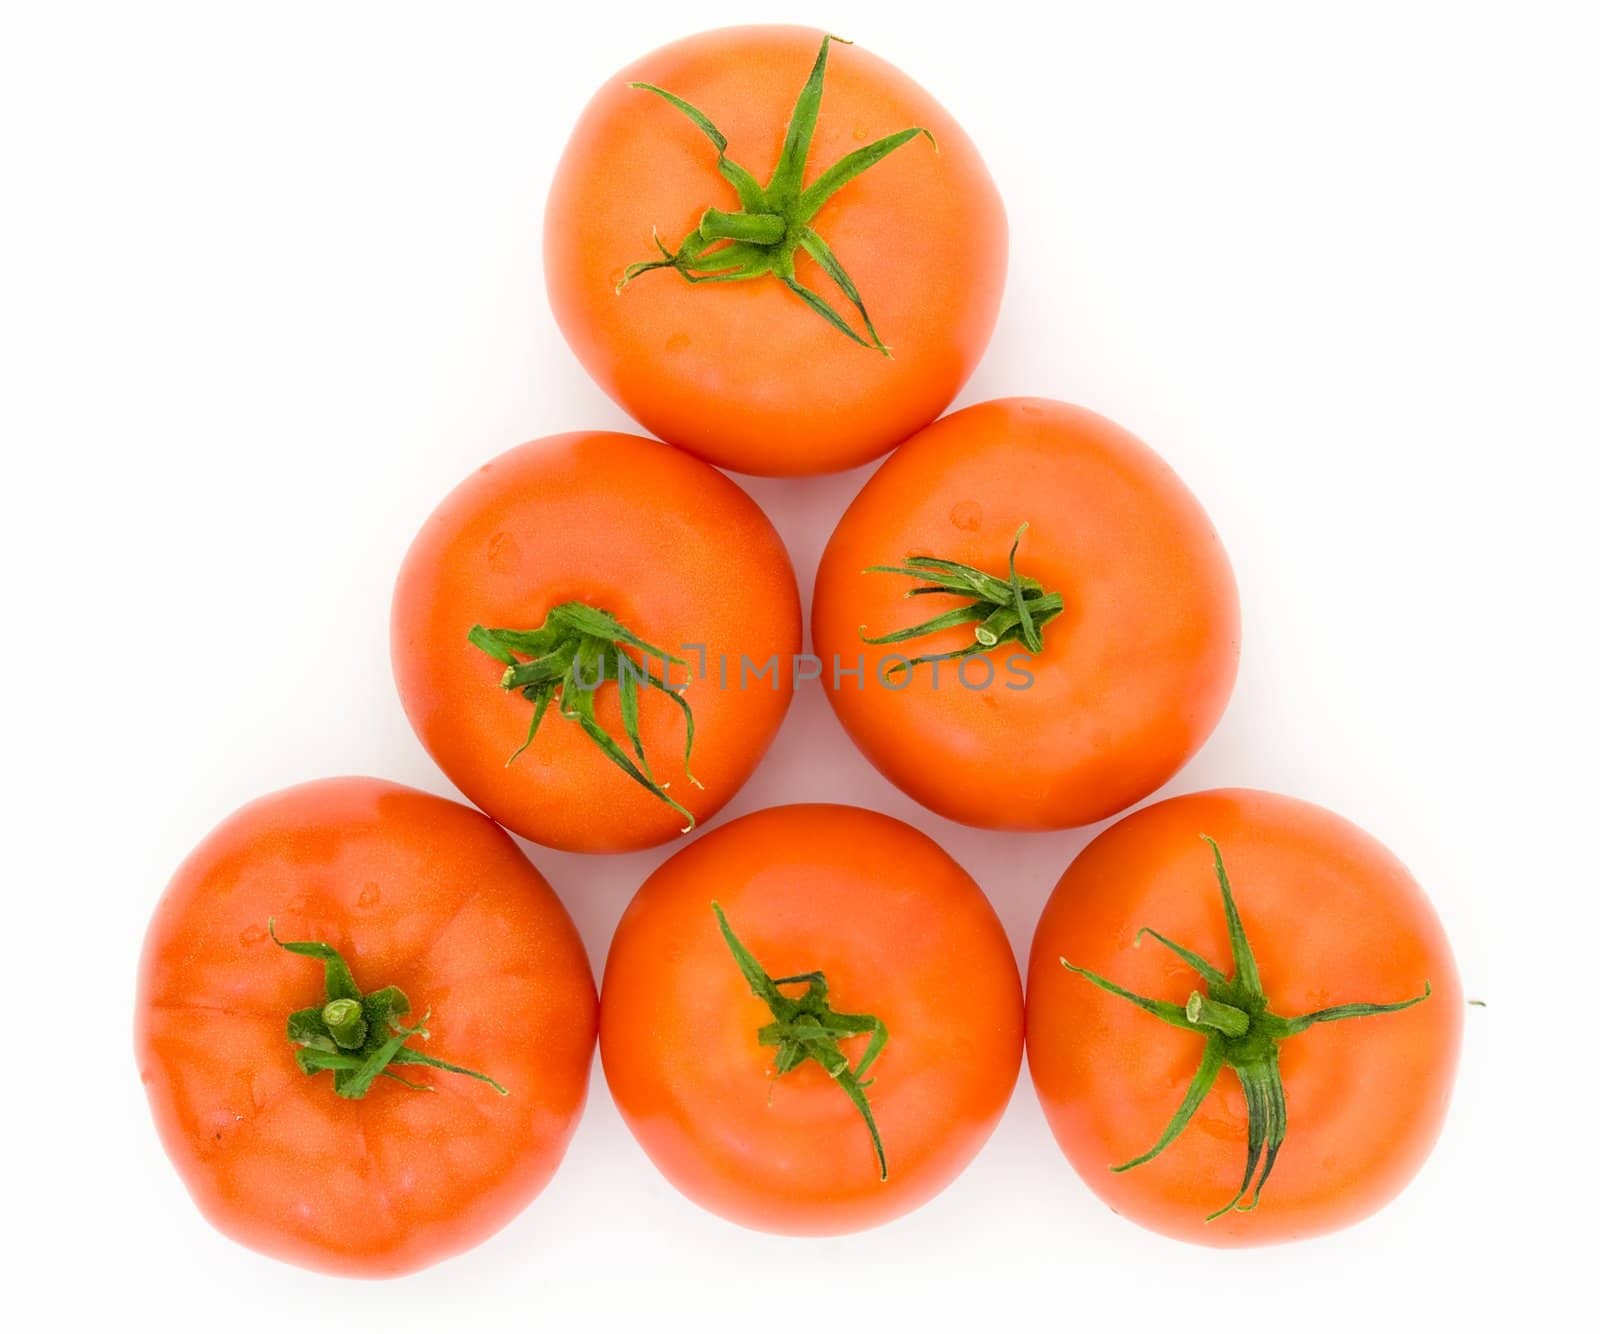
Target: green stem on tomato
column 567, row 659
column 773, row 221
column 358, row 1037
column 808, row 1028
column 1210, row 1013
column 347, row 1026
column 1003, row 609
column 1241, row 1034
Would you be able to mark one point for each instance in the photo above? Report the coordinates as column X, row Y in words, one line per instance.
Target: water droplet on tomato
column 369, row 896
column 252, row 935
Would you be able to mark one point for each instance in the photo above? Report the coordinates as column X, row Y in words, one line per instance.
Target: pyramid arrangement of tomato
column 366, row 1023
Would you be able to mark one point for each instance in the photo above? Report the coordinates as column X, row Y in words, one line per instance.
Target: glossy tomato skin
column 1134, row 673
column 1333, row 918
column 744, row 374
column 670, row 547
column 900, row 931
column 415, row 891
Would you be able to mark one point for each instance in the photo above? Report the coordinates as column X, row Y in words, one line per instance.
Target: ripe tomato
column 575, row 563
column 1129, row 598
column 408, row 891
column 725, row 351
column 811, row 1019
column 1337, row 1044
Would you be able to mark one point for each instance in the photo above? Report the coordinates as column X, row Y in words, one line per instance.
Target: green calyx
column 576, row 651
column 358, row 1037
column 807, row 1028
column 1241, row 1034
column 1008, row 609
column 774, row 221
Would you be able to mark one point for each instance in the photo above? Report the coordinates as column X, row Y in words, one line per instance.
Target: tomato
column 284, row 1143
column 811, row 1019
column 781, row 362
column 1026, row 506
column 1327, row 1025
column 594, row 637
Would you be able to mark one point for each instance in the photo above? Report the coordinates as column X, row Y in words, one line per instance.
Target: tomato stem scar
column 1005, row 609
column 774, row 221
column 808, row 1028
column 356, row 1036
column 575, row 651
column 1242, row 1034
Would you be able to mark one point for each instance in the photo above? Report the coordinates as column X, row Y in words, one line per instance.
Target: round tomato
column 325, row 955
column 1025, row 620
column 811, row 1019
column 1243, row 1019
column 774, row 250
column 594, row 637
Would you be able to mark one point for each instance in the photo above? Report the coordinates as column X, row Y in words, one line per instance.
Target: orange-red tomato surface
column 744, row 374
column 1135, row 671
column 900, row 931
column 416, row 892
column 664, row 543
column 1333, row 918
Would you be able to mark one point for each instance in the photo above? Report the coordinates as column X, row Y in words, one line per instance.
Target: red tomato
column 886, row 956
column 524, row 555
column 1130, row 596
column 1339, row 1112
column 410, row 891
column 747, row 370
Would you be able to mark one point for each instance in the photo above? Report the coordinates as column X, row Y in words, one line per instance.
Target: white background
column 272, row 286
